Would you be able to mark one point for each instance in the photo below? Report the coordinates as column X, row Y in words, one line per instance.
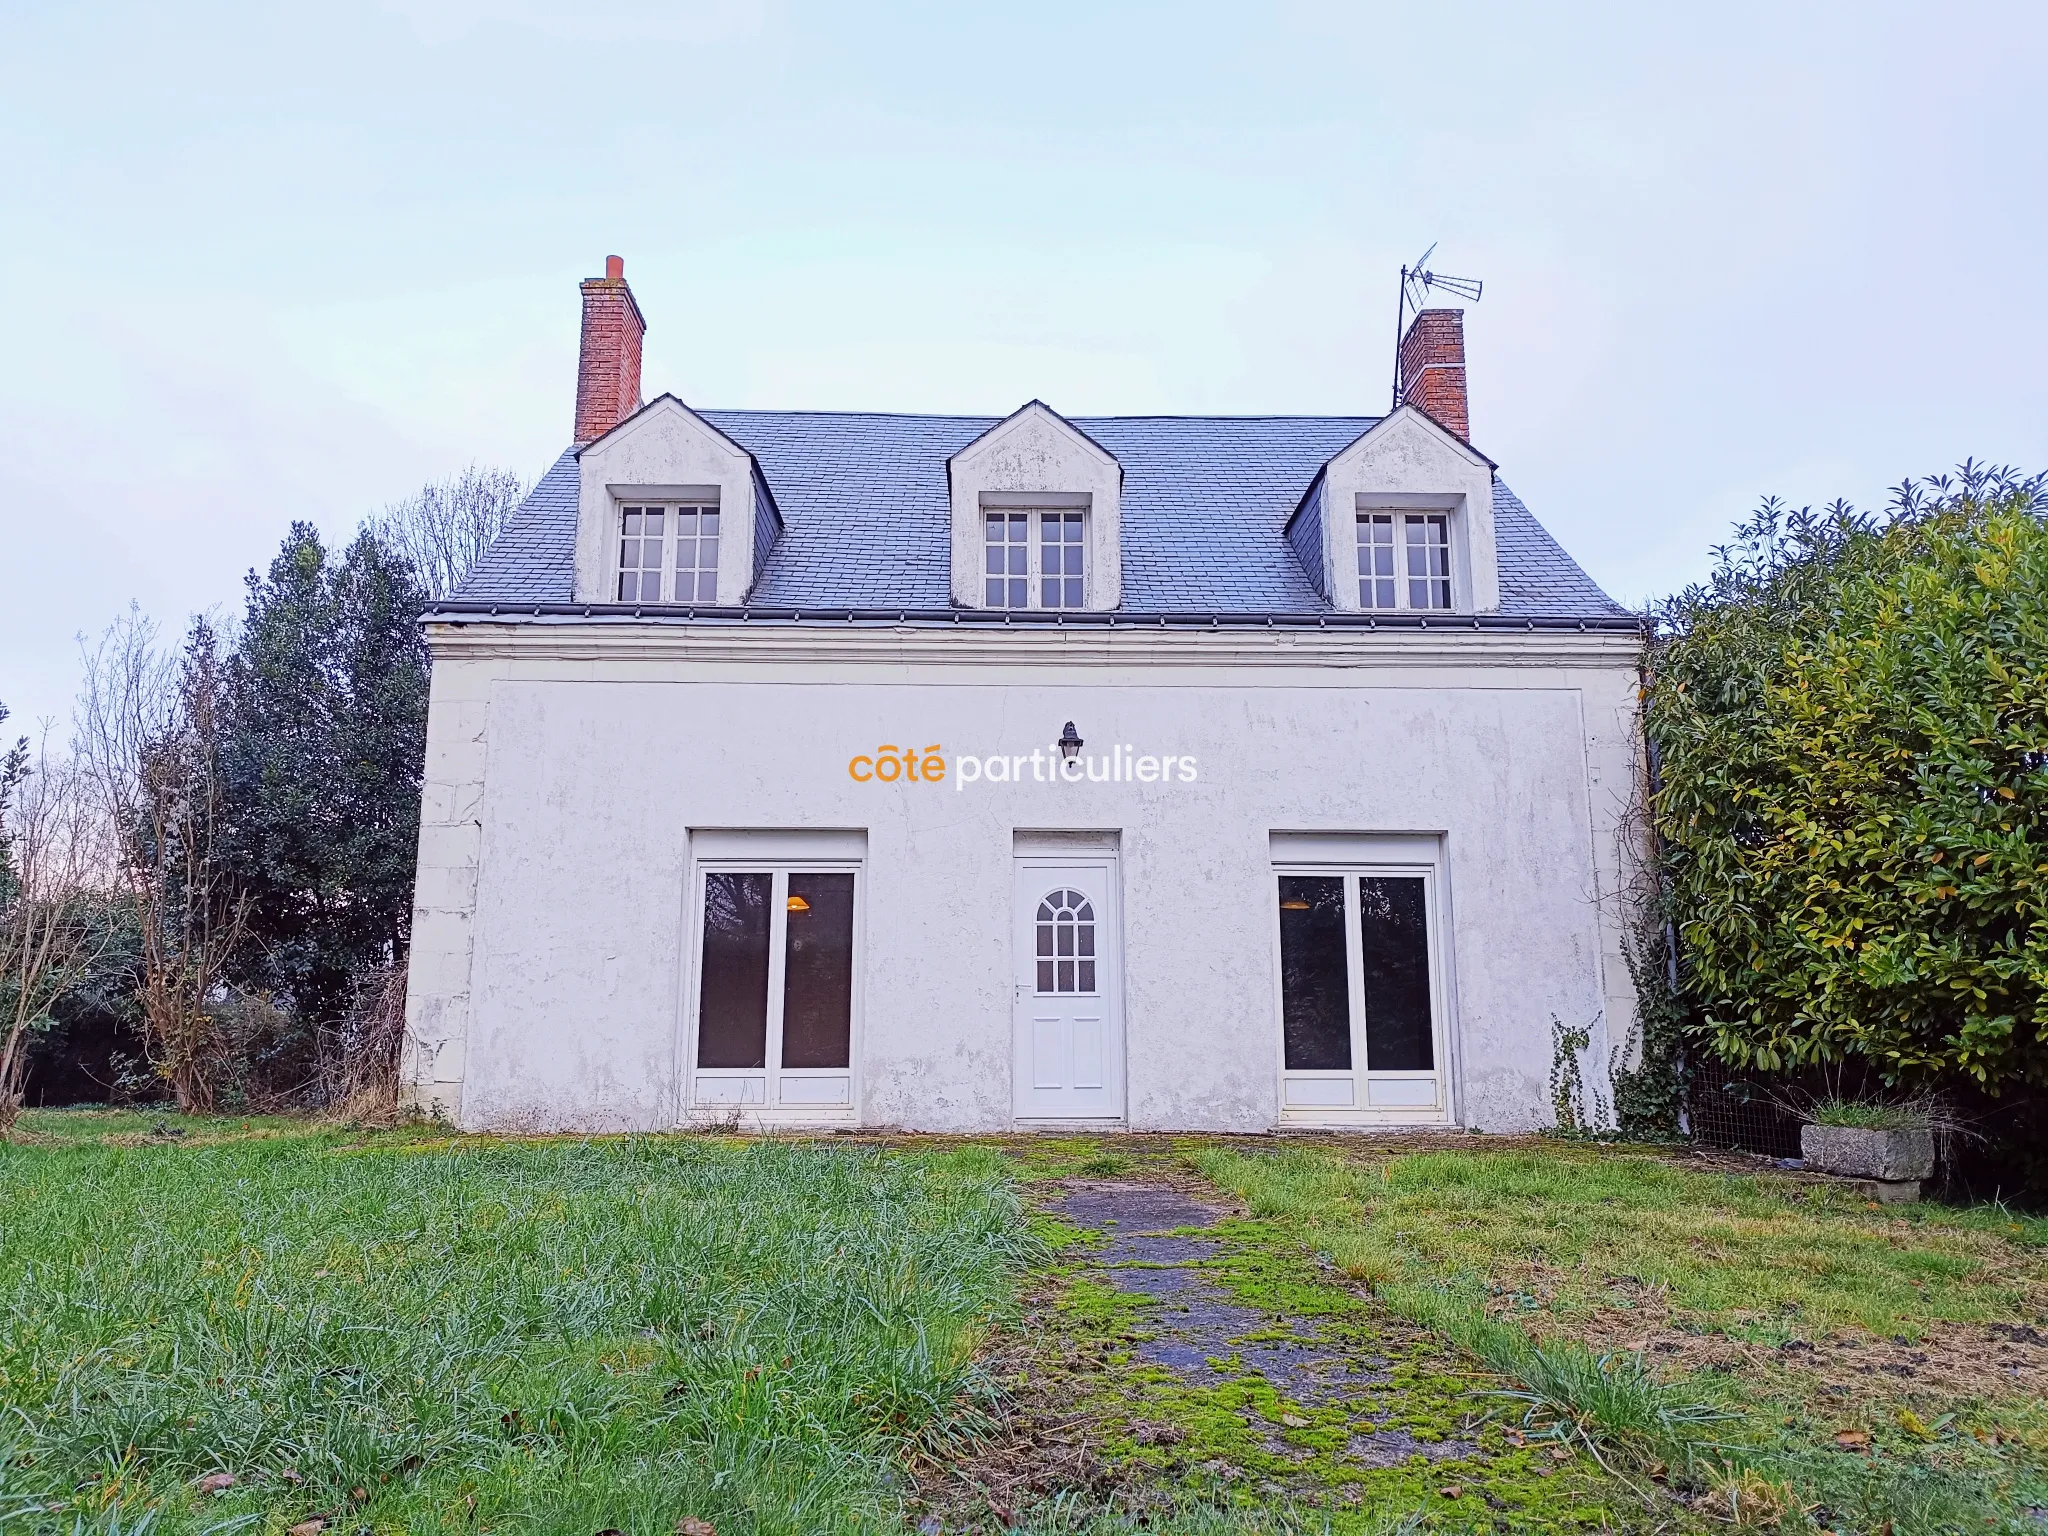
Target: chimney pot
column 608, row 362
column 1433, row 369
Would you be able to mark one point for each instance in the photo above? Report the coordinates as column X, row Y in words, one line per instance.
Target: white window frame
column 1352, row 857
column 1035, row 547
column 670, row 507
column 1398, row 521
column 772, row 1095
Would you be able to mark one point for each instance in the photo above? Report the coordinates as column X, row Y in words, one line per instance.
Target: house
column 822, row 769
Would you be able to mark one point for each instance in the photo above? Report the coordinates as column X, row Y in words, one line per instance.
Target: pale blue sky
column 263, row 262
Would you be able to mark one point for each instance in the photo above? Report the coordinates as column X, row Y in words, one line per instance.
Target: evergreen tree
column 327, row 732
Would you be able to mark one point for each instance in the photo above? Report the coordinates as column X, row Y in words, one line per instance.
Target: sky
column 265, row 263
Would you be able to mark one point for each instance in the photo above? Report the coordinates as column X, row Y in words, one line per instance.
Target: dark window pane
column 732, row 1007
column 817, row 987
column 1045, row 976
column 1395, row 940
column 1315, row 1003
column 994, row 595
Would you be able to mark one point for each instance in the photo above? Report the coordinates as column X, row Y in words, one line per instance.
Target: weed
column 1608, row 1405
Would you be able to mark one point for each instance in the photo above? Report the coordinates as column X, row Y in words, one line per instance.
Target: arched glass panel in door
column 1066, row 943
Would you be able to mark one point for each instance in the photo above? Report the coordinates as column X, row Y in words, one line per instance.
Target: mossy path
column 1176, row 1348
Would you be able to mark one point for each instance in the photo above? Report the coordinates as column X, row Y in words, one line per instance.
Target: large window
column 1034, row 559
column 775, row 986
column 1359, row 1003
column 668, row 553
column 1404, row 560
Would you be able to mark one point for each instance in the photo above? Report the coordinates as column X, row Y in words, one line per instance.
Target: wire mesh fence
column 1745, row 1114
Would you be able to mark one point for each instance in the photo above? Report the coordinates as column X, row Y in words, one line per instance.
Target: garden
column 270, row 1325
column 247, row 1294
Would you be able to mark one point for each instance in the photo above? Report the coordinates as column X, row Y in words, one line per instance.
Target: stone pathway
column 1196, row 1329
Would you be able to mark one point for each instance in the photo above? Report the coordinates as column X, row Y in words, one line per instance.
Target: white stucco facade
column 575, row 770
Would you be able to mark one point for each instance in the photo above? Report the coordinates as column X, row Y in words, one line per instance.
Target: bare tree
column 148, row 738
column 444, row 529
column 48, row 871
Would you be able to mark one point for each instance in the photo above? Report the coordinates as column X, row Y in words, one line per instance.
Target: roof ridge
column 770, row 410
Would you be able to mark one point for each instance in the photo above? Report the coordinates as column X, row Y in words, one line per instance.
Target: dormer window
column 1034, row 559
column 1404, row 560
column 668, row 553
column 1037, row 517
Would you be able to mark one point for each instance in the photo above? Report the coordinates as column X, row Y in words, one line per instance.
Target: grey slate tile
column 866, row 525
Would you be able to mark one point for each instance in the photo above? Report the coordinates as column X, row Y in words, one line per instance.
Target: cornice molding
column 1077, row 646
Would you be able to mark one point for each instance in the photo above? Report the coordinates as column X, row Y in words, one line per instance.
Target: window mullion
column 1354, row 973
column 778, row 941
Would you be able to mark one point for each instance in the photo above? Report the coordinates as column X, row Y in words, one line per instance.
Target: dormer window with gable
column 1036, row 517
column 1035, row 559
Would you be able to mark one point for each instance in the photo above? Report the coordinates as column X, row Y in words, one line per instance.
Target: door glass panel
column 1066, row 933
column 732, row 1006
column 817, row 985
column 1394, row 939
column 1315, row 1005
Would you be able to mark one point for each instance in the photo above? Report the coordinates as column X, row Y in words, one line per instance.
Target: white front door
column 1069, row 1058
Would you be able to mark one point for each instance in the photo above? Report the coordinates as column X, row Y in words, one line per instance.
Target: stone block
column 1859, row 1153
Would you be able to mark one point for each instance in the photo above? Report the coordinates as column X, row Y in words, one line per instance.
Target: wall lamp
column 1070, row 743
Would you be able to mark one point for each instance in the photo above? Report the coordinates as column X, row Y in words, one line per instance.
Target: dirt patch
column 1951, row 1360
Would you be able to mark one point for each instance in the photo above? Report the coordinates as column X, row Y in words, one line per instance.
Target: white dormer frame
column 666, row 453
column 1035, row 457
column 1404, row 463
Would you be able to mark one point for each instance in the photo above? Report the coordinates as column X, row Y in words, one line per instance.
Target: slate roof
column 867, row 522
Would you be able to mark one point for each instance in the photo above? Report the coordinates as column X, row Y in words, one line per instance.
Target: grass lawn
column 414, row 1332
column 417, row 1331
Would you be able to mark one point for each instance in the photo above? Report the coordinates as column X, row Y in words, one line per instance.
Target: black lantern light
column 1070, row 743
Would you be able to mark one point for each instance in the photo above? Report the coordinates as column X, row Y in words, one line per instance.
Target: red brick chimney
column 1433, row 369
column 608, row 367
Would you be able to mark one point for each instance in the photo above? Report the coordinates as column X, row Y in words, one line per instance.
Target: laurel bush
column 1850, row 726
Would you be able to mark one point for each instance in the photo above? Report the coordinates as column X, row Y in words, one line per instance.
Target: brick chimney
column 1433, row 369
column 608, row 366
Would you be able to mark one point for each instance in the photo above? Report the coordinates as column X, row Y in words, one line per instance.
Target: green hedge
column 1850, row 728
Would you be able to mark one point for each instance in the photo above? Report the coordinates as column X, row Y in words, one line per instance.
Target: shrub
column 1850, row 722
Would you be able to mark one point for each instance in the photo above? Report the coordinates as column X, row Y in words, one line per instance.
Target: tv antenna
column 1417, row 283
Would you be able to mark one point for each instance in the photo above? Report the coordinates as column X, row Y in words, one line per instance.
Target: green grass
column 1569, row 1230
column 1860, row 1115
column 1501, row 1252
column 415, row 1332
